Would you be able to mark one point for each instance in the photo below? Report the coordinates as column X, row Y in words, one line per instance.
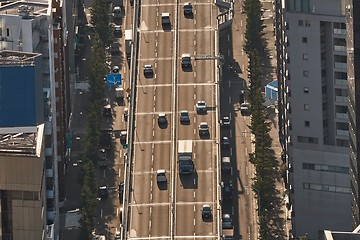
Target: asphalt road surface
column 174, row 211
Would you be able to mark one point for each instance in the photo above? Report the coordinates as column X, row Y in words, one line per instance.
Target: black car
column 226, row 189
column 206, row 212
column 225, row 143
column 103, row 192
column 121, row 189
column 184, row 116
column 188, row 9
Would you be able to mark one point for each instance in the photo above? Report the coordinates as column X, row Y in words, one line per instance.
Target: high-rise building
column 313, row 113
column 353, row 69
column 39, row 27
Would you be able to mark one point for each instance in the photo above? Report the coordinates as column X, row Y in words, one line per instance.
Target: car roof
column 187, row 4
column 162, row 115
column 160, row 171
column 203, row 123
column 115, row 67
column 184, row 111
column 147, row 66
column 206, row 206
column 185, row 55
column 165, row 14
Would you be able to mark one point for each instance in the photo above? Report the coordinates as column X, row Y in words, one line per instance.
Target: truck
column 119, row 93
column 185, row 161
column 128, row 42
column 227, row 234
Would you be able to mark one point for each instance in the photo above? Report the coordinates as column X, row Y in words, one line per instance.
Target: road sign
column 128, row 90
column 125, row 146
column 113, row 79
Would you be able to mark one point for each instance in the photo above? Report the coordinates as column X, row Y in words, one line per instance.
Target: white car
column 203, row 128
column 201, row 106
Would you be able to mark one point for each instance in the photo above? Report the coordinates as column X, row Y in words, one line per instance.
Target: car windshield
column 184, row 114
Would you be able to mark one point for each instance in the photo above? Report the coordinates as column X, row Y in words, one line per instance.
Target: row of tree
column 271, row 224
column 100, row 21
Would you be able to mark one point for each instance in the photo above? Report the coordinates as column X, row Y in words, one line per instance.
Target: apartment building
column 313, row 113
column 353, row 67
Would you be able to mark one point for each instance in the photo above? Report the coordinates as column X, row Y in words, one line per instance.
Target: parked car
column 225, row 143
column 162, row 119
column 226, row 221
column 103, row 192
column 148, row 71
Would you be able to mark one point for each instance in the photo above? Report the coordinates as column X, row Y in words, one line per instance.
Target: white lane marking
column 228, row 52
column 194, row 131
column 194, row 42
column 229, row 84
column 229, row 99
column 194, row 195
column 230, row 133
column 119, row 172
column 241, row 23
column 194, row 96
column 231, row 152
column 228, row 37
column 194, row 223
column 101, row 213
column 194, row 184
column 104, row 174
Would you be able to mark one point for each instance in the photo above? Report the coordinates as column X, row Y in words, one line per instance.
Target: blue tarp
column 113, row 79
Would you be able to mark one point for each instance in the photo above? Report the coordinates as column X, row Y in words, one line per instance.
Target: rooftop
column 12, row 58
column 24, row 8
column 21, row 140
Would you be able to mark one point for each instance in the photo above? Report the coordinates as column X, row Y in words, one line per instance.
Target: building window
column 7, row 32
column 307, row 23
column 287, row 26
column 305, row 73
column 305, row 56
column 307, row 123
column 306, row 90
column 301, row 23
column 304, row 39
column 306, row 107
column 326, row 188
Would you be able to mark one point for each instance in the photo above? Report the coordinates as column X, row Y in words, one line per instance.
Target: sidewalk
column 240, row 58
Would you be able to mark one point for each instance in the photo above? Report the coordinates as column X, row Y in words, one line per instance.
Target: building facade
column 353, row 49
column 313, row 113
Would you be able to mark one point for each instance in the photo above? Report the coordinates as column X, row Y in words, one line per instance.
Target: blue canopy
column 113, row 79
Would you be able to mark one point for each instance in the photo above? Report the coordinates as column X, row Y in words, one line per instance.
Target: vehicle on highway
column 185, row 161
column 102, row 160
column 244, row 109
column 115, row 69
column 121, row 187
column 105, row 139
column 126, row 113
column 225, row 122
column 107, row 111
column 161, row 176
column 106, row 101
column 226, row 221
column 225, row 143
column 119, row 93
column 117, row 235
column 242, row 96
column 103, row 192
column 206, row 212
column 117, row 31
column 203, row 129
column 165, row 19
column 201, row 107
column 128, row 42
column 123, row 135
column 226, row 187
column 186, row 60
column 226, row 166
column 117, row 14
column 184, row 116
column 148, row 71
column 188, row 9
column 162, row 119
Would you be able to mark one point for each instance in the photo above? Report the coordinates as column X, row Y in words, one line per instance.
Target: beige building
column 22, row 183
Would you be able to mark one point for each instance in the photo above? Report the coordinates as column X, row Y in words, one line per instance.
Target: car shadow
column 162, row 186
column 163, row 125
column 189, row 181
column 187, row 69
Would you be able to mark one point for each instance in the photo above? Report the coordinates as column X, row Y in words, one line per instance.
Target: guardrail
column 131, row 122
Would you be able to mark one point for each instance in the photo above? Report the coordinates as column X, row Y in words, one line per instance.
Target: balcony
column 48, row 152
column 49, row 172
column 50, row 232
column 339, row 31
column 344, row 133
column 344, row 116
column 50, row 193
column 340, row 65
column 341, row 99
column 338, row 48
column 341, row 82
column 50, row 214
